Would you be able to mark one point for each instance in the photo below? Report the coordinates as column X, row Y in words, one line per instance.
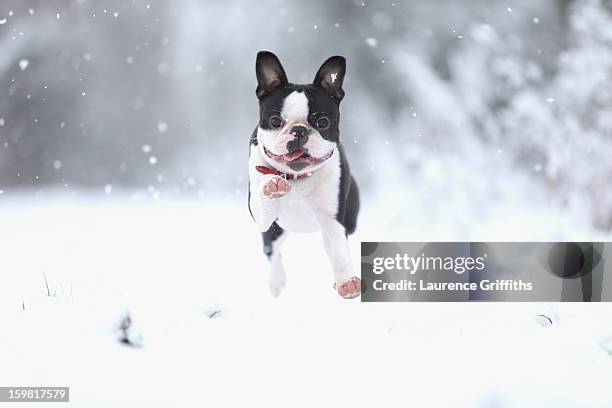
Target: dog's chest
column 317, row 194
column 296, row 215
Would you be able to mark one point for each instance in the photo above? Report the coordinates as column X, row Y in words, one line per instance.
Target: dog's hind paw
column 277, row 284
column 349, row 289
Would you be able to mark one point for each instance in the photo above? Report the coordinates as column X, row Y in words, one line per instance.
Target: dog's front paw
column 276, row 187
column 349, row 289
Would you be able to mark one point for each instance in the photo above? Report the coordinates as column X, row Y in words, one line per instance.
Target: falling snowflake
column 162, row 127
column 23, row 64
column 372, row 42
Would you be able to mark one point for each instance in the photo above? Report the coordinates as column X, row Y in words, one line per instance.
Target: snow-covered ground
column 205, row 331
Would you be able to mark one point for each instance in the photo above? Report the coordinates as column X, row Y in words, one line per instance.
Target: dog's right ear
column 270, row 73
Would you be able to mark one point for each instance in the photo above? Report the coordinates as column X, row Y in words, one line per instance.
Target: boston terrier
column 299, row 178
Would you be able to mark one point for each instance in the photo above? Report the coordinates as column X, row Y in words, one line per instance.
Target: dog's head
column 298, row 124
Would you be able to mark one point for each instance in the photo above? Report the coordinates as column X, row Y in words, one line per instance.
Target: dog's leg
column 272, row 241
column 265, row 193
column 337, row 248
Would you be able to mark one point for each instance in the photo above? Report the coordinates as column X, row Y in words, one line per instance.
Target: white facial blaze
column 295, row 108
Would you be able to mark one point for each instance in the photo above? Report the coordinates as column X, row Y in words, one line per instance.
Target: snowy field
column 205, row 331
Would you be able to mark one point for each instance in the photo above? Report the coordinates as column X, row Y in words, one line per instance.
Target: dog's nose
column 301, row 137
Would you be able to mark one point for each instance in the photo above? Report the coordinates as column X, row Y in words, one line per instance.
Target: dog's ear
column 331, row 75
column 270, row 73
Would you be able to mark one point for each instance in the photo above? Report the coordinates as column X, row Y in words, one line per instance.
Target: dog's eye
column 323, row 123
column 276, row 122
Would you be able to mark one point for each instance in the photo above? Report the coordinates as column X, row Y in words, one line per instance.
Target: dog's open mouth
column 297, row 159
column 296, row 155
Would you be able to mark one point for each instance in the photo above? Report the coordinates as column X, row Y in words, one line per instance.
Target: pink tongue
column 294, row 155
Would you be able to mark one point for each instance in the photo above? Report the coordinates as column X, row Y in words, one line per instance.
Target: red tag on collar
column 272, row 170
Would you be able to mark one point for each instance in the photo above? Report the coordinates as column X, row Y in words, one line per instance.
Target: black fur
column 270, row 236
column 348, row 196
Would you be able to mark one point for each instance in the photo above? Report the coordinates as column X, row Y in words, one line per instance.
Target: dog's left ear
column 331, row 75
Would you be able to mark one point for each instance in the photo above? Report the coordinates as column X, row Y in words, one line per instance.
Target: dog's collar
column 276, row 172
